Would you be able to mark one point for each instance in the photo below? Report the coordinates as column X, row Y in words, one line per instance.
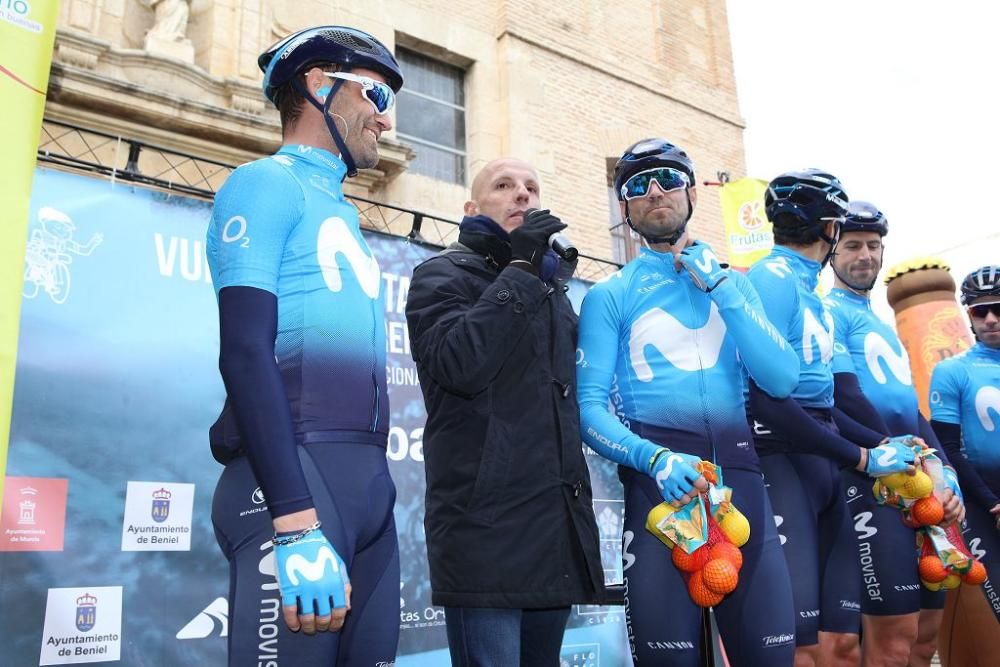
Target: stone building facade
column 565, row 85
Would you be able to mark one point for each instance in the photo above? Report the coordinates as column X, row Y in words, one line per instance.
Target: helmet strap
column 833, row 247
column 324, row 109
column 671, row 238
column 856, row 288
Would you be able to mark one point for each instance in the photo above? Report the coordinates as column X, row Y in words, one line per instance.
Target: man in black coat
column 511, row 536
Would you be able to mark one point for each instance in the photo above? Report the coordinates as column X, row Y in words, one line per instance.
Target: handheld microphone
column 563, row 247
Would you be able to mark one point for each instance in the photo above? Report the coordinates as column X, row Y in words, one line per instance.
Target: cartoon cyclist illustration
column 49, row 254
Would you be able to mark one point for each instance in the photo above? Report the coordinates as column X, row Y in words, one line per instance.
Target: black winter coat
column 509, row 515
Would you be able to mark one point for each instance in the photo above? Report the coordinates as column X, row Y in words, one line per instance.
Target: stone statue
column 170, row 23
column 168, row 36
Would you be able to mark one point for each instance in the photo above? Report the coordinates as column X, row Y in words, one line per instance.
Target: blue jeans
column 483, row 637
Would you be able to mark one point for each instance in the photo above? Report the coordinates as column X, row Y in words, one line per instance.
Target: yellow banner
column 27, row 33
column 748, row 233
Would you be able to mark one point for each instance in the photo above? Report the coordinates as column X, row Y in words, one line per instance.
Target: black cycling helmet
column 982, row 282
column 344, row 46
column 864, row 217
column 649, row 154
column 802, row 199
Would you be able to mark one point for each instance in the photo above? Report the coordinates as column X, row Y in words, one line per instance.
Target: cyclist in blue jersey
column 666, row 341
column 965, row 413
column 302, row 355
column 900, row 617
column 802, row 440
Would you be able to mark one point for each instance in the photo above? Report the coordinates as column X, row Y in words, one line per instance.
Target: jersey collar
column 317, row 156
column 851, row 297
column 986, row 352
column 662, row 261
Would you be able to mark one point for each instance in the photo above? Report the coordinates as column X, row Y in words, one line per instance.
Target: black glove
column 530, row 241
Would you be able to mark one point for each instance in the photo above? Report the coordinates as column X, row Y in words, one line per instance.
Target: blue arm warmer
column 801, row 432
column 851, row 400
column 248, row 324
column 973, row 485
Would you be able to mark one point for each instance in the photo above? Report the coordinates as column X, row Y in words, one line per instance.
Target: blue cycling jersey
column 788, row 282
column 281, row 224
column 667, row 355
column 965, row 390
column 875, row 354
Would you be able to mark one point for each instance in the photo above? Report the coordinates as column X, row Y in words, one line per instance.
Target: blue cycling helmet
column 649, row 154
column 864, row 217
column 984, row 281
column 345, row 46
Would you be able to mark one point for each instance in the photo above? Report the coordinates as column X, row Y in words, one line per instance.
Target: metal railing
column 128, row 159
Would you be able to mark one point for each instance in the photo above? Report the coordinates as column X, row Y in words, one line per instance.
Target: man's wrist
column 863, row 462
column 296, row 521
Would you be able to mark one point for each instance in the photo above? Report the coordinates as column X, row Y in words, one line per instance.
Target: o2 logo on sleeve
column 235, row 230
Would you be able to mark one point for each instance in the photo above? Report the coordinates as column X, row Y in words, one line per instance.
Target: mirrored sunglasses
column 981, row 310
column 667, row 178
column 379, row 94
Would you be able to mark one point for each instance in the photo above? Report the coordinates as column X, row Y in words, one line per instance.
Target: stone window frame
column 407, row 54
column 625, row 243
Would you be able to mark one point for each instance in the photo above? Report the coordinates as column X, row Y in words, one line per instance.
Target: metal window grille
column 80, row 149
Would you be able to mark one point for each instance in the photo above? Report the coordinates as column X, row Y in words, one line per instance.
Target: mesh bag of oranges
column 917, row 496
column 705, row 537
column 945, row 560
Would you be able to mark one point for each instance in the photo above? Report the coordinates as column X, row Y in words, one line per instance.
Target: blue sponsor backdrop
column 117, row 380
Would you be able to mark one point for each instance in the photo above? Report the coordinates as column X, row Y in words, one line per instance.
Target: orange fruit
column 700, row 593
column 728, row 551
column 976, row 574
column 715, row 534
column 927, row 511
column 690, row 562
column 932, row 569
column 720, row 576
column 951, row 581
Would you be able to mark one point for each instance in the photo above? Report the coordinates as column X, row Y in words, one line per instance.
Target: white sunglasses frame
column 645, row 171
column 367, row 83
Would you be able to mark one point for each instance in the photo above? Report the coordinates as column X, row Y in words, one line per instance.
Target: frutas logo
column 751, row 215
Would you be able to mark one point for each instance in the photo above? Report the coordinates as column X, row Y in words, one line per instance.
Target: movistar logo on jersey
column 688, row 349
column 336, row 243
column 814, row 333
column 778, row 267
column 877, row 351
column 987, row 399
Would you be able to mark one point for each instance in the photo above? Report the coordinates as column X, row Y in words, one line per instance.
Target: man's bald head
column 503, row 190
